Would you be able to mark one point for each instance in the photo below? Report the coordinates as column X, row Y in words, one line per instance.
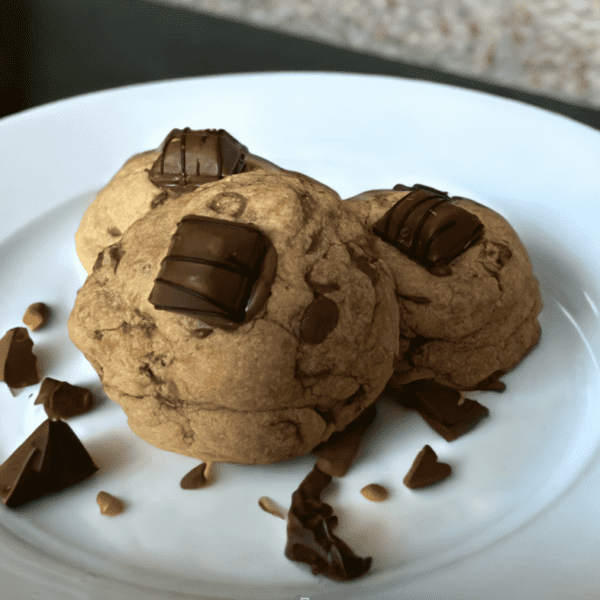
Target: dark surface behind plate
column 54, row 49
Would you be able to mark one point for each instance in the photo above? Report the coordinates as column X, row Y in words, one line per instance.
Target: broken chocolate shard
column 336, row 454
column 426, row 470
column 441, row 407
column 51, row 459
column 18, row 364
column 219, row 271
column 310, row 537
column 428, row 228
column 190, row 158
column 319, row 319
column 62, row 400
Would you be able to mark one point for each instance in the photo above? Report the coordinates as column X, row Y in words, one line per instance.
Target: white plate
column 518, row 518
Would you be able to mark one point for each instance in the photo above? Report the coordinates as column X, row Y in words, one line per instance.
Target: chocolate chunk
column 36, row 316
column 18, row 364
column 442, row 408
column 310, row 537
column 62, row 400
column 190, row 158
column 319, row 320
column 110, row 505
column 428, row 228
column 219, row 271
column 50, row 459
column 197, row 478
column 337, row 453
column 426, row 470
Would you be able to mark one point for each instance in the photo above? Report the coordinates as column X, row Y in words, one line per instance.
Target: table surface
column 61, row 48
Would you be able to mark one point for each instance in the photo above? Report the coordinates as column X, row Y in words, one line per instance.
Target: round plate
column 520, row 467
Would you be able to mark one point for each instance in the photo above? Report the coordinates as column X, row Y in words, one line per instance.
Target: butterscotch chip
column 375, row 492
column 270, row 506
column 36, row 316
column 197, row 478
column 110, row 505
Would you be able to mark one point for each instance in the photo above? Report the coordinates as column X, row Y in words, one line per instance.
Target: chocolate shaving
column 426, row 469
column 50, row 459
column 18, row 364
column 310, row 537
column 62, row 400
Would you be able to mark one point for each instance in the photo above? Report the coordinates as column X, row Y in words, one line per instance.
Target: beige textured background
column 549, row 47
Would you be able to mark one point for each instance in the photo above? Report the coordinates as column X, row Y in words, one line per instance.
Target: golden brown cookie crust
column 259, row 393
column 480, row 320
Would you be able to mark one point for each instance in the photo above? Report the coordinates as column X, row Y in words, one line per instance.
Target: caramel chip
column 109, row 504
column 36, row 316
column 269, row 506
column 426, row 469
column 375, row 492
column 197, row 478
column 18, row 364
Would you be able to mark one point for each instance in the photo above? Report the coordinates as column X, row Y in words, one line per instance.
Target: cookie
column 128, row 196
column 466, row 328
column 268, row 389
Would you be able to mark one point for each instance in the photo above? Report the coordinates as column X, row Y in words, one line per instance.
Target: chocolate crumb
column 426, row 469
column 310, row 537
column 36, row 316
column 62, row 400
column 18, row 364
column 109, row 504
column 269, row 506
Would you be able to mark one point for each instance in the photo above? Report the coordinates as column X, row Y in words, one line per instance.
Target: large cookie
column 267, row 390
column 467, row 328
column 129, row 195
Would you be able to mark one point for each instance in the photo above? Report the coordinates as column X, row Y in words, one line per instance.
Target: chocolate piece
column 337, row 453
column 310, row 537
column 442, row 408
column 50, row 459
column 197, row 478
column 36, row 316
column 110, row 505
column 62, row 400
column 219, row 271
column 190, row 158
column 426, row 470
column 319, row 320
column 269, row 506
column 428, row 228
column 18, row 364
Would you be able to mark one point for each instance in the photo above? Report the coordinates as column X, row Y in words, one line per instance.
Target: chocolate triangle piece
column 18, row 364
column 62, row 400
column 441, row 407
column 337, row 453
column 310, row 537
column 426, row 470
column 50, row 459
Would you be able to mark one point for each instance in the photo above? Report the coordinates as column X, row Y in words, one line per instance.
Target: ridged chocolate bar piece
column 427, row 227
column 219, row 271
column 190, row 158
